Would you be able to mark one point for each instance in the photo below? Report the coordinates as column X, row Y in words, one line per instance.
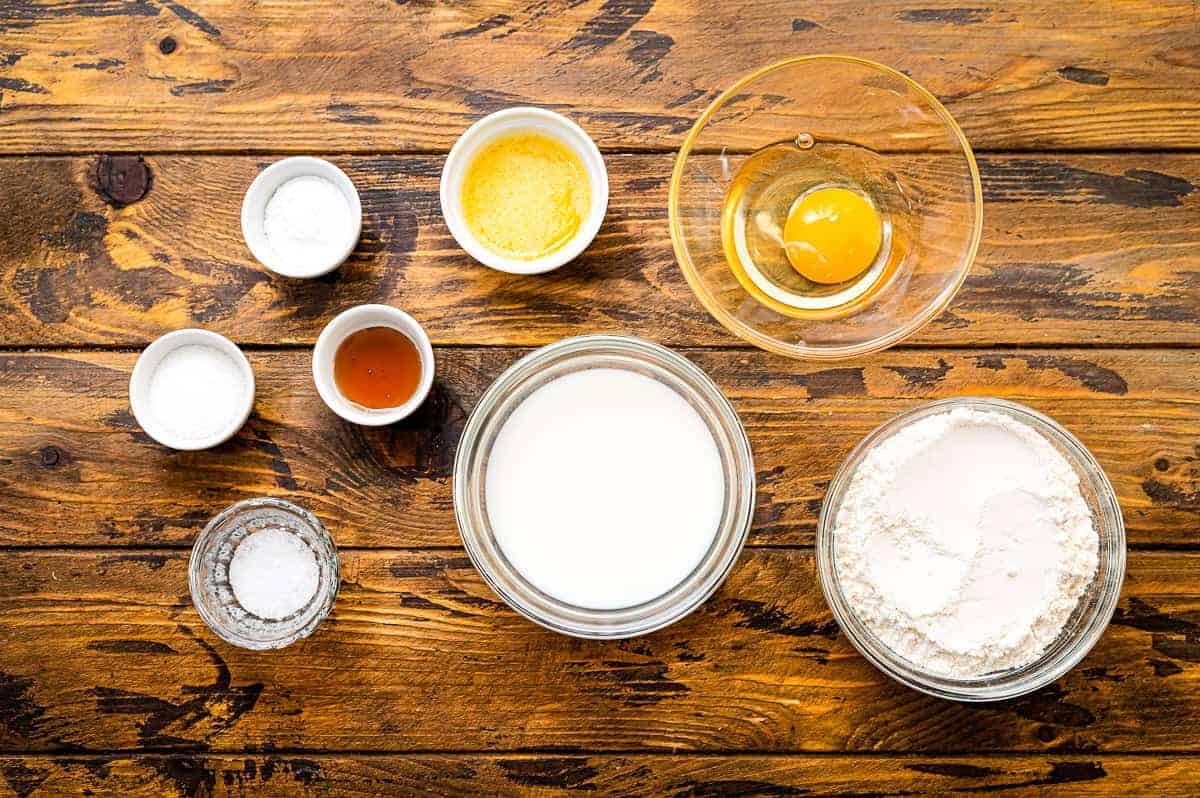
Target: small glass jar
column 510, row 390
column 1085, row 625
column 208, row 573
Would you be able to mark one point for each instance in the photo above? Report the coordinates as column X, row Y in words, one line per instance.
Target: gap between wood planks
column 174, row 548
column 571, row 751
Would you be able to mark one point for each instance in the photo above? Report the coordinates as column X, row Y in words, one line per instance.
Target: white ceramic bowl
column 143, row 370
column 507, row 122
column 260, row 192
column 351, row 321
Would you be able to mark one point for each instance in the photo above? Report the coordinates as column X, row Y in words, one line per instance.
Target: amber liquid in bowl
column 377, row 367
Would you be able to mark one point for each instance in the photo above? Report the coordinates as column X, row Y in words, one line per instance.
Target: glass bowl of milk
column 604, row 486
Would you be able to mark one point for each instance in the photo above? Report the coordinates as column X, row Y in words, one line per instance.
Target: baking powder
column 963, row 543
column 308, row 222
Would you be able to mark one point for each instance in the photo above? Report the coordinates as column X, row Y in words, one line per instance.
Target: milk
column 604, row 488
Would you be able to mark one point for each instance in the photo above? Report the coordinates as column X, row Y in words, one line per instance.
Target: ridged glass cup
column 208, row 573
column 857, row 123
column 1083, row 628
column 510, row 390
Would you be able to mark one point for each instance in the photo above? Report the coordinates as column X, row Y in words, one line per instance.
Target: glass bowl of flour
column 971, row 548
column 604, row 486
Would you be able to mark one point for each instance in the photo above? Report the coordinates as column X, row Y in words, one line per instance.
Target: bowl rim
column 747, row 333
column 1110, row 573
column 727, row 543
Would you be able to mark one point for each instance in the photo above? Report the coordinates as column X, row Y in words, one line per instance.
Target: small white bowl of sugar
column 191, row 389
column 301, row 217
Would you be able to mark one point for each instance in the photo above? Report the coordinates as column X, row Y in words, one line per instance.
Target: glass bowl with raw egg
column 825, row 207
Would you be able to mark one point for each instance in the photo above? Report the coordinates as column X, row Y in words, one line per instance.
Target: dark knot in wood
column 51, row 456
column 122, row 179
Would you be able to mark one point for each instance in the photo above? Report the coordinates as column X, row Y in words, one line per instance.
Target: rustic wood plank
column 76, row 469
column 1076, row 249
column 566, row 774
column 102, row 651
column 231, row 75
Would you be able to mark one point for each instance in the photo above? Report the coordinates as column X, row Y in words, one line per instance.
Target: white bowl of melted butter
column 524, row 190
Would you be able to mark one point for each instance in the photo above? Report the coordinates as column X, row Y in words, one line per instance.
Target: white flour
column 307, row 221
column 964, row 544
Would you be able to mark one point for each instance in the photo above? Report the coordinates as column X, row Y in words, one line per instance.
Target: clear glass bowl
column 863, row 125
column 1083, row 628
column 510, row 390
column 208, row 573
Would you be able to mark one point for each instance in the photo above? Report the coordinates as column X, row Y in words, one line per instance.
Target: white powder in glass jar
column 273, row 573
column 964, row 544
column 308, row 222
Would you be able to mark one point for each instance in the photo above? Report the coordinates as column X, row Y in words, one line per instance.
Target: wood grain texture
column 129, row 130
column 103, row 651
column 548, row 775
column 76, row 469
column 1076, row 249
column 306, row 75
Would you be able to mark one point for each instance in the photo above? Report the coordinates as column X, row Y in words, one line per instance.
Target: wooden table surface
column 129, row 130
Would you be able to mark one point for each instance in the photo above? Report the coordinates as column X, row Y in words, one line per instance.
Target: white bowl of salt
column 191, row 389
column 301, row 217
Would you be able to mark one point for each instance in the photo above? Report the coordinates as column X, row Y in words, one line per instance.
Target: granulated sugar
column 963, row 543
column 273, row 573
column 196, row 391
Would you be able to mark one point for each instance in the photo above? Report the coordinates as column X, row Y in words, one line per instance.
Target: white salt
column 196, row 391
column 308, row 222
column 273, row 573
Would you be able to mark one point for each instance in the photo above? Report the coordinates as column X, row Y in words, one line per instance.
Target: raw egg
column 832, row 235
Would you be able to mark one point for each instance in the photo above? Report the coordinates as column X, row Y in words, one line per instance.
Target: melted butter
column 525, row 196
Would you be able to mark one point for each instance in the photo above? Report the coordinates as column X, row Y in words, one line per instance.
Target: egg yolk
column 832, row 235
